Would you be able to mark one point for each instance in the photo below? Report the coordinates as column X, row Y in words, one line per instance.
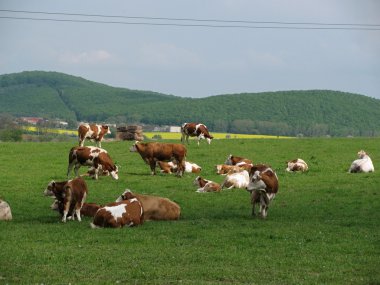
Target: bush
column 14, row 135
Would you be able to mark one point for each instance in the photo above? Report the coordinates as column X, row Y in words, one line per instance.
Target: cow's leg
column 81, row 141
column 98, row 143
column 187, row 139
column 66, row 208
column 152, row 165
column 198, row 139
column 182, row 137
column 69, row 169
column 76, row 169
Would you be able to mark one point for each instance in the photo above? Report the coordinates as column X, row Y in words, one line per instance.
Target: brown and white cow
column 71, row 194
column 128, row 212
column 93, row 132
column 263, row 187
column 91, row 156
column 205, row 185
column 170, row 167
column 154, row 151
column 5, row 211
column 236, row 180
column 155, row 208
column 195, row 130
column 297, row 164
column 237, row 160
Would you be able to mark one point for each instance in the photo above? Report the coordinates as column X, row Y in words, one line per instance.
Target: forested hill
column 311, row 113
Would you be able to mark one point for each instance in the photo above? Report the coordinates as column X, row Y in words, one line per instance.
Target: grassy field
column 322, row 228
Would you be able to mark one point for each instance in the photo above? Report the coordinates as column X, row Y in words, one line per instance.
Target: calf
column 263, row 187
column 92, row 132
column 155, row 208
column 71, row 194
column 5, row 211
column 118, row 214
column 363, row 164
column 236, row 180
column 170, row 167
column 206, row 185
column 237, row 160
column 297, row 165
column 155, row 151
column 195, row 130
column 96, row 157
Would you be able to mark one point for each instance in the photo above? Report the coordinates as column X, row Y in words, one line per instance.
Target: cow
column 224, row 169
column 170, row 167
column 88, row 209
column 195, row 130
column 206, row 185
column 5, row 211
column 91, row 156
column 237, row 160
column 263, row 186
column 92, row 132
column 362, row 164
column 154, row 151
column 127, row 212
column 236, row 180
column 155, row 208
column 71, row 194
column 297, row 165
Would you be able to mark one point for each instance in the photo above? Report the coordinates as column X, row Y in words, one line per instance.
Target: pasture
column 322, row 228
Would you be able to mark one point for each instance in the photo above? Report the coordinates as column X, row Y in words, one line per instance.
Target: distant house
column 174, row 129
column 31, row 120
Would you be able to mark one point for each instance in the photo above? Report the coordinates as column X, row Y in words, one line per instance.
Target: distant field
column 163, row 135
column 322, row 228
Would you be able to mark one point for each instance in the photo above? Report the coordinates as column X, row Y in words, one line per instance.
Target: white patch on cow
column 116, row 211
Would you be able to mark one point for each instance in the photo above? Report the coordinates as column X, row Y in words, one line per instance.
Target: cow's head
column 198, row 181
column 134, row 147
column 106, row 129
column 49, row 189
column 114, row 172
column 127, row 194
column 361, row 153
column 229, row 160
column 255, row 182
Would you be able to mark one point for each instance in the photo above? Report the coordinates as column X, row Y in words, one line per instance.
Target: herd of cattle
column 131, row 209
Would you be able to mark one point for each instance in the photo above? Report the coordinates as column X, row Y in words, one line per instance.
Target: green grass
column 322, row 228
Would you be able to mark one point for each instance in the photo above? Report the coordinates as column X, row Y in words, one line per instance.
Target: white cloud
column 85, row 57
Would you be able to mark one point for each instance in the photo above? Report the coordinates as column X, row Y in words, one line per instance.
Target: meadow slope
column 322, row 228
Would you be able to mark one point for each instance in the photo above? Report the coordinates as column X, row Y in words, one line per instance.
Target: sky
column 198, row 59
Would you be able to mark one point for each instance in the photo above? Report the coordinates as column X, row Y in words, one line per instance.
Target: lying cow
column 128, row 212
column 363, row 164
column 263, row 187
column 237, row 160
column 224, row 169
column 5, row 211
column 92, row 132
column 170, row 167
column 71, row 194
column 155, row 208
column 95, row 157
column 297, row 165
column 205, row 185
column 236, row 180
column 195, row 130
column 154, row 151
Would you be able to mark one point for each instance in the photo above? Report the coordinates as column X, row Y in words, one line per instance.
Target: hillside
column 311, row 113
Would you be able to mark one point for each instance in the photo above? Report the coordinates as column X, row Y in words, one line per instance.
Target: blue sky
column 198, row 61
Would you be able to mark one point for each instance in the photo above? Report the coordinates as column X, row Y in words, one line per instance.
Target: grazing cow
column 5, row 211
column 363, row 164
column 195, row 130
column 236, row 180
column 118, row 214
column 71, row 194
column 297, row 165
column 88, row 209
column 263, row 187
column 91, row 156
column 170, row 167
column 155, row 208
column 92, row 132
column 206, row 185
column 236, row 160
column 224, row 169
column 154, row 151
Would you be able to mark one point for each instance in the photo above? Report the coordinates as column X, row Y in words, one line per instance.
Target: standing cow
column 93, row 156
column 93, row 132
column 263, row 186
column 71, row 194
column 154, row 151
column 195, row 130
